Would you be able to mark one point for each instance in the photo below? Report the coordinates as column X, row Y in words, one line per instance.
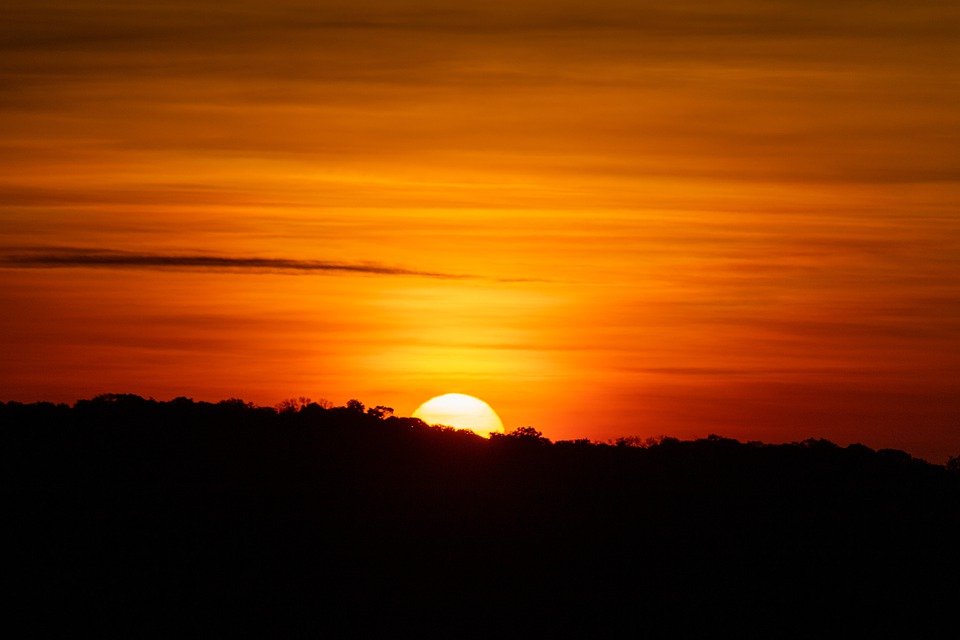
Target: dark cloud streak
column 67, row 258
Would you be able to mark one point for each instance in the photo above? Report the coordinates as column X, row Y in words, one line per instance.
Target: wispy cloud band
column 51, row 258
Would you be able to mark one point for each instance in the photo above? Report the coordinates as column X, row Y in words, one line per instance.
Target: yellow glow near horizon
column 462, row 412
column 614, row 219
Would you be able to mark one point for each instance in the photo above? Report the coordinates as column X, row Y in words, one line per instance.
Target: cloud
column 57, row 257
column 733, row 90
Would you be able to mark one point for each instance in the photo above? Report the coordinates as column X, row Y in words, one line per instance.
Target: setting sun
column 621, row 218
column 461, row 411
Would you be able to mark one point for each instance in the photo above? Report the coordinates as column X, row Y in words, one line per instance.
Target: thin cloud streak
column 66, row 258
column 745, row 210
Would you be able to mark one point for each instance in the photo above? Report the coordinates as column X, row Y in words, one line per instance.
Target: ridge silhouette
column 129, row 515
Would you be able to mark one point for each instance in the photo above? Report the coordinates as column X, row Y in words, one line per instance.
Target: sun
column 461, row 411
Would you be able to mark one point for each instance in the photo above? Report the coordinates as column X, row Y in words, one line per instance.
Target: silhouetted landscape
column 136, row 517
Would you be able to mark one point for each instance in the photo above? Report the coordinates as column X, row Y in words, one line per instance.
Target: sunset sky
column 611, row 218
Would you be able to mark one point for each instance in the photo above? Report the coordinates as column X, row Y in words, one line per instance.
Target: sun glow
column 462, row 412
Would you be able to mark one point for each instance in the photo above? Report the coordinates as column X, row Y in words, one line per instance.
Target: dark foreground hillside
column 136, row 518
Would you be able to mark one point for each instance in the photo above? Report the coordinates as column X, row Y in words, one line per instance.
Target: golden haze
column 735, row 216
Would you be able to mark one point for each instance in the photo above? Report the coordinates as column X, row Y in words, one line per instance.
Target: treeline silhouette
column 133, row 516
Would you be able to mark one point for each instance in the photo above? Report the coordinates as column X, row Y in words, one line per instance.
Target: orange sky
column 611, row 218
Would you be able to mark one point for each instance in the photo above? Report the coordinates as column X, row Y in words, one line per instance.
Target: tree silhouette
column 953, row 464
column 293, row 405
column 347, row 522
column 380, row 412
column 526, row 434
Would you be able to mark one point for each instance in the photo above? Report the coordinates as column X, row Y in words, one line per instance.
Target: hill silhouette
column 132, row 516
